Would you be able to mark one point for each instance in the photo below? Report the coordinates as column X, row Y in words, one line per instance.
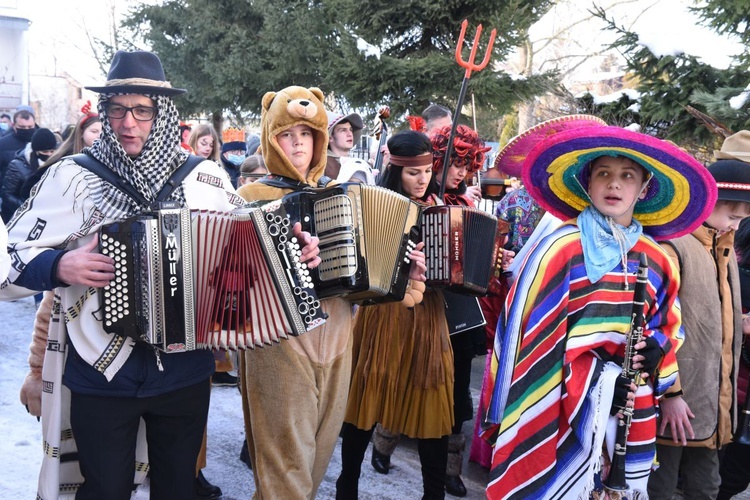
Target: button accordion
column 463, row 248
column 200, row 279
column 366, row 233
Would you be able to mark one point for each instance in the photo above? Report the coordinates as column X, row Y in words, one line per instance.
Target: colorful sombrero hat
column 680, row 196
column 510, row 158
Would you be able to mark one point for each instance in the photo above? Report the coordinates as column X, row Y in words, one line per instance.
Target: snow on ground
column 22, row 450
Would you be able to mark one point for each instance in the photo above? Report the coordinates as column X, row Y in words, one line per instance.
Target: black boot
column 433, row 456
column 455, row 486
column 245, row 455
column 453, row 483
column 380, row 462
column 353, row 447
column 205, row 490
column 384, row 443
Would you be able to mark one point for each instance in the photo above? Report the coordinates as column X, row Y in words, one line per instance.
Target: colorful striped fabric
column 557, row 336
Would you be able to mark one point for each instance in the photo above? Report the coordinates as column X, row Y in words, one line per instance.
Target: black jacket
column 9, row 145
column 18, row 172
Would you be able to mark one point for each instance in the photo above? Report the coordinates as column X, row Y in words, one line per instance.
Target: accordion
column 462, row 248
column 200, row 279
column 366, row 233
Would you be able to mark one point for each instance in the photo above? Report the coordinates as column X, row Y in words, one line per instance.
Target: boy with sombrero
column 555, row 379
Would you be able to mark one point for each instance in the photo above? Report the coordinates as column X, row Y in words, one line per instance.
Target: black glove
column 620, row 397
column 653, row 354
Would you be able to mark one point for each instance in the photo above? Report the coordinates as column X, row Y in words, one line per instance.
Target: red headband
column 421, row 160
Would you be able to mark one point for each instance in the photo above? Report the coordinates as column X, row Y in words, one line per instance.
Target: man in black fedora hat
column 105, row 396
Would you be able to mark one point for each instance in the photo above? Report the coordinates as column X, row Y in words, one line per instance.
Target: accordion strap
column 96, row 167
column 280, row 181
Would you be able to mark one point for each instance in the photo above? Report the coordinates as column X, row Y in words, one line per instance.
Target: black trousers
column 105, row 430
column 734, row 470
column 433, row 456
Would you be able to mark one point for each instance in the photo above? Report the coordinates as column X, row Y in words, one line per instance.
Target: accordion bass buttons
column 116, row 305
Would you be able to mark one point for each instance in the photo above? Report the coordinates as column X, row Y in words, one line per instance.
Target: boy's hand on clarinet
column 309, row 246
column 676, row 414
column 418, row 263
column 624, row 395
column 648, row 356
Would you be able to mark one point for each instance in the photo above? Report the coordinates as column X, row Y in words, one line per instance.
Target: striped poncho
column 562, row 340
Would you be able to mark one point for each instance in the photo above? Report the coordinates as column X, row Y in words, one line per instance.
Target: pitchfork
column 470, row 66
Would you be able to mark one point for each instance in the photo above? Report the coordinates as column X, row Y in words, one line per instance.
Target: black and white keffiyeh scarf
column 161, row 155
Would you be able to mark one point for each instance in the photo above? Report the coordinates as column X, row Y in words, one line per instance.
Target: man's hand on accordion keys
column 418, row 263
column 84, row 267
column 309, row 246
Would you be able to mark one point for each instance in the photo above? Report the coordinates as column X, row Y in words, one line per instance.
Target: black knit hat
column 43, row 140
column 732, row 179
column 137, row 72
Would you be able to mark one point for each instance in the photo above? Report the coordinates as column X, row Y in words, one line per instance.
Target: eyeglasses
column 253, row 176
column 140, row 113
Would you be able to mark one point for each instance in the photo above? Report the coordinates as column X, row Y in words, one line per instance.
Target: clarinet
column 616, row 479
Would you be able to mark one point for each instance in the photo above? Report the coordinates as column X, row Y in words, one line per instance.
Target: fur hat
column 735, row 147
column 137, row 72
column 43, row 140
column 732, row 179
column 283, row 110
column 353, row 118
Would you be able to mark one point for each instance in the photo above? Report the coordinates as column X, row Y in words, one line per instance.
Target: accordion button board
column 201, row 279
column 461, row 248
column 366, row 234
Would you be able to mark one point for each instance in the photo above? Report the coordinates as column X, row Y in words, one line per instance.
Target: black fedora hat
column 137, row 72
column 732, row 179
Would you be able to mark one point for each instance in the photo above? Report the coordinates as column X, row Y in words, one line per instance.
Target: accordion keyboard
column 116, row 304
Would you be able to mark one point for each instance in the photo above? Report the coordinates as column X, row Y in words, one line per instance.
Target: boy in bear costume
column 294, row 395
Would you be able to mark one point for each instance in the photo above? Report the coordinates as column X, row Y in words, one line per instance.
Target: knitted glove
column 620, row 398
column 653, row 354
column 31, row 390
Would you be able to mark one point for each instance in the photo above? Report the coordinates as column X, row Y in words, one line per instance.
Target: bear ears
column 292, row 92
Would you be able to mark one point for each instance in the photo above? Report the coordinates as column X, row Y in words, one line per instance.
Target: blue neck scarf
column 605, row 243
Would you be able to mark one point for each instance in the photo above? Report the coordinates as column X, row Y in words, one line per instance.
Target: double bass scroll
column 383, row 114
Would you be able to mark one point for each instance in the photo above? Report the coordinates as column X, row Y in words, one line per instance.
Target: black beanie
column 43, row 140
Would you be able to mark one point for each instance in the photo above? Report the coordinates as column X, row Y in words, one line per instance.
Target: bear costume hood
column 282, row 110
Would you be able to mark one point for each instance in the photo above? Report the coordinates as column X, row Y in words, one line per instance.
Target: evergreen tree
column 416, row 40
column 729, row 105
column 228, row 53
column 622, row 112
column 669, row 83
